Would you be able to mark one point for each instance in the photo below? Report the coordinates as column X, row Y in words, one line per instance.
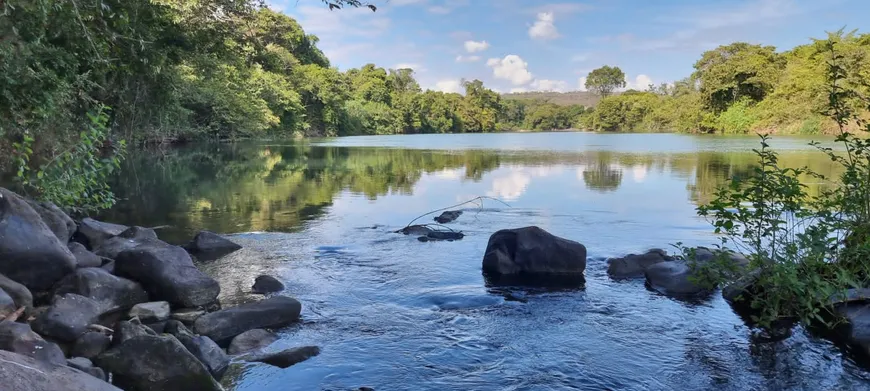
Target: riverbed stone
column 187, row 315
column 84, row 258
column 535, row 253
column 267, row 284
column 207, row 245
column 168, row 274
column 284, row 358
column 634, row 265
column 111, row 292
column 448, row 216
column 22, row 373
column 225, row 324
column 155, row 311
column 56, row 219
column 21, row 339
column 92, row 232
column 68, row 317
column 90, row 344
column 251, row 340
column 203, row 348
column 87, row 366
column 19, row 293
column 152, row 362
column 30, row 253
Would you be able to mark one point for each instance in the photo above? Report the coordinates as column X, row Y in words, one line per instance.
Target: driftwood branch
column 473, row 200
column 14, row 316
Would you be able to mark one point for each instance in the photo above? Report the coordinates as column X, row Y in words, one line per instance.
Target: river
column 393, row 313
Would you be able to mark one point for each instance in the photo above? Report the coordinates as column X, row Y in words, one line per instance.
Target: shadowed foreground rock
column 67, row 318
column 19, row 293
column 225, row 324
column 19, row 338
column 22, row 373
column 530, row 253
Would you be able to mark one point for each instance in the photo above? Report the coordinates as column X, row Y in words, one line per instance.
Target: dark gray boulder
column 634, row 265
column 56, row 220
column 112, row 293
column 167, row 273
column 203, row 348
column 448, row 216
column 437, row 236
column 90, row 344
column 30, row 253
column 19, row 293
column 513, row 255
column 129, row 329
column 251, row 340
column 84, row 258
column 856, row 329
column 151, row 362
column 415, row 230
column 7, row 304
column 155, row 311
column 19, row 338
column 207, row 245
column 67, row 318
column 680, row 278
column 92, row 233
column 187, row 315
column 225, row 324
column 86, row 366
column 21, row 373
column 284, row 358
column 130, row 238
column 267, row 284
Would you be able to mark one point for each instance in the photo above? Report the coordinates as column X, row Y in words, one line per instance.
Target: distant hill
column 583, row 98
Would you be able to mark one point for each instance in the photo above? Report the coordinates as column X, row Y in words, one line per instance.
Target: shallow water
column 392, row 313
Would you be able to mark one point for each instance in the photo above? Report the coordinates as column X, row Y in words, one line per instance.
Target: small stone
column 155, row 311
column 267, row 284
column 448, row 216
column 251, row 340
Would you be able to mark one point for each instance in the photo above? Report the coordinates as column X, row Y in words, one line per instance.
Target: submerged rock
column 56, row 220
column 267, row 284
column 19, row 338
column 22, row 373
column 675, row 278
column 225, row 324
column 435, row 236
column 68, row 317
column 448, row 216
column 284, row 358
column 207, row 245
column 535, row 254
column 415, row 230
column 30, row 253
column 634, row 265
column 251, row 340
column 112, row 293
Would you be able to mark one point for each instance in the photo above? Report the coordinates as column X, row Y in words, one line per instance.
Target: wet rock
column 856, row 330
column 187, row 315
column 448, row 216
column 86, row 366
column 207, row 245
column 7, row 304
column 225, row 324
column 30, row 253
column 19, row 293
column 56, row 220
column 129, row 239
column 634, row 265
column 19, row 338
column 435, row 236
column 535, row 253
column 126, row 330
column 267, row 284
column 674, row 278
column 284, row 358
column 90, row 344
column 849, row 296
column 203, row 348
column 415, row 230
column 149, row 362
column 167, row 273
column 251, row 340
column 92, row 233
column 67, row 318
column 111, row 292
column 84, row 258
column 21, row 373
column 155, row 311
column 740, row 292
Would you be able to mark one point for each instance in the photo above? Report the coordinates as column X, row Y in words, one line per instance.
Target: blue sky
column 527, row 45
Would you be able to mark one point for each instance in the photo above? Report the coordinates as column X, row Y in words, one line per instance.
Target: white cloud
column 461, row 58
column 439, row 9
column 511, row 68
column 581, row 84
column 579, row 58
column 415, row 67
column 549, row 85
column 640, row 83
column 543, row 28
column 449, row 85
column 476, row 46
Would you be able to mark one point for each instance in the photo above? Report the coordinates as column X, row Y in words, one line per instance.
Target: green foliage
column 77, row 178
column 737, row 119
column 731, row 73
column 605, row 80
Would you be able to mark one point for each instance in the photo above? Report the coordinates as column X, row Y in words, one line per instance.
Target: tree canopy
column 605, row 80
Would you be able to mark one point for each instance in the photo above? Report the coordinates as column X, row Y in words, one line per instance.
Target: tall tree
column 605, row 79
column 737, row 71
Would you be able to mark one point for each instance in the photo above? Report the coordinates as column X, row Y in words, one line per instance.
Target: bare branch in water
column 473, row 200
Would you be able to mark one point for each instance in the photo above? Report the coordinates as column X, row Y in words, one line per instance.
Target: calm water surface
column 392, row 313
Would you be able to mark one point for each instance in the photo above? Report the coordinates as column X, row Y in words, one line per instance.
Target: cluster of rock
column 79, row 302
column 532, row 256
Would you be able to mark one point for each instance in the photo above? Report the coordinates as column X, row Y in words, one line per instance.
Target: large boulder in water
column 535, row 254
column 284, row 358
column 634, row 265
column 207, row 245
column 68, row 317
column 267, row 284
column 167, row 273
column 30, row 253
column 20, row 338
column 56, row 220
column 21, row 373
column 19, row 293
column 112, row 293
column 225, row 324
column 855, row 331
column 151, row 362
column 92, row 233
